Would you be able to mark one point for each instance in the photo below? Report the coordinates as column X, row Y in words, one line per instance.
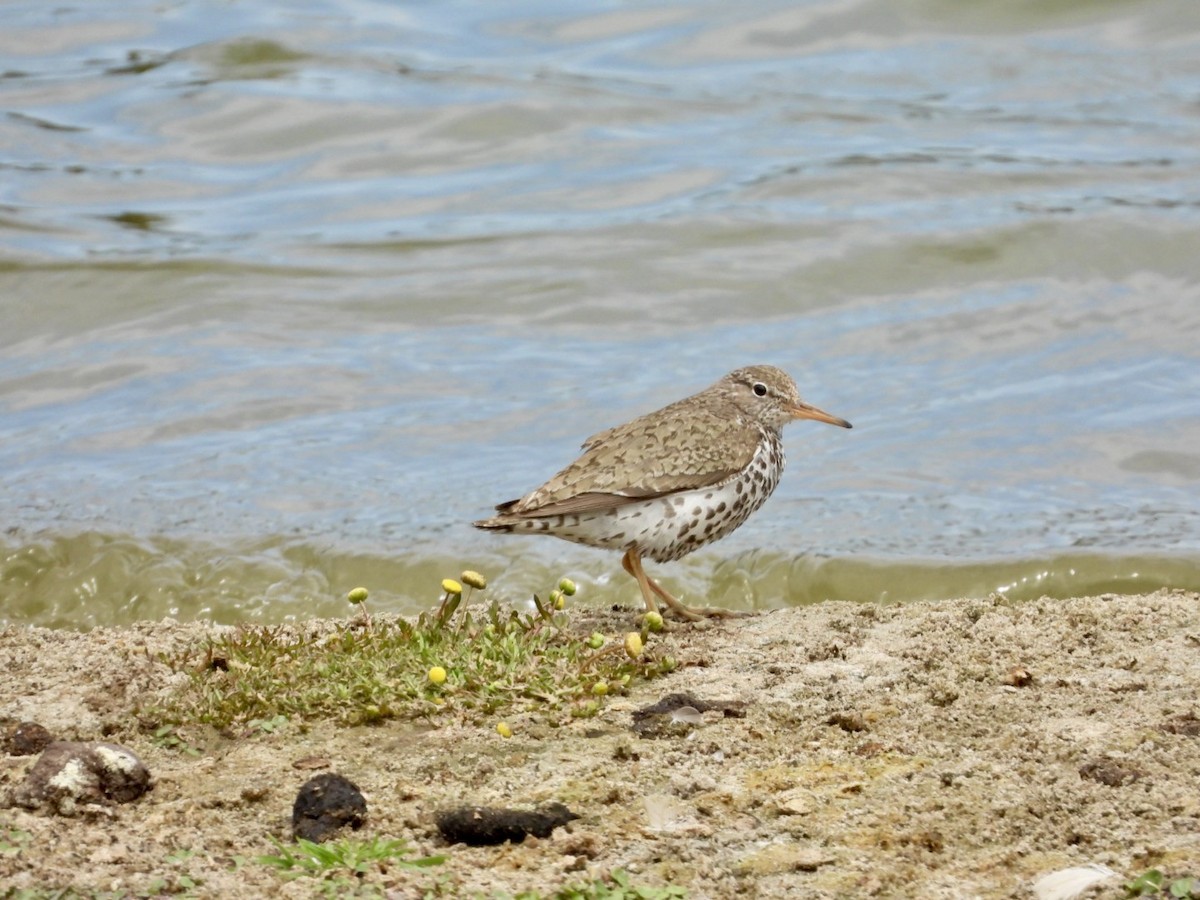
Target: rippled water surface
column 291, row 293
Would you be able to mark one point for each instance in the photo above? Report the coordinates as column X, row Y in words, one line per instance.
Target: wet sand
column 951, row 749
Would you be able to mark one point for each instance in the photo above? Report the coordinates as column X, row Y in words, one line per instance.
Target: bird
column 672, row 480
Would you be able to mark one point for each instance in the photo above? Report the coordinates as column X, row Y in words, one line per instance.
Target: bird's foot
column 716, row 612
column 695, row 613
column 699, row 613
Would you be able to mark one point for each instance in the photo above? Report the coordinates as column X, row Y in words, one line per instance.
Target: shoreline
column 958, row 748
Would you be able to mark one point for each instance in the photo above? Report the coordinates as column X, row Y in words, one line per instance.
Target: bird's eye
column 760, row 389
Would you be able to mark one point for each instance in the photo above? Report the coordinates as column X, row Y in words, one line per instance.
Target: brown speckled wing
column 682, row 447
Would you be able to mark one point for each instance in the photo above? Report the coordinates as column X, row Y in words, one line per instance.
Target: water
column 290, row 295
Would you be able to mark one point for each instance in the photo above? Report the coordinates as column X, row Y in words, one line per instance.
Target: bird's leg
column 633, row 565
column 632, row 562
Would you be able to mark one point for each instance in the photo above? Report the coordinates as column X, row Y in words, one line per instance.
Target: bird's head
column 768, row 395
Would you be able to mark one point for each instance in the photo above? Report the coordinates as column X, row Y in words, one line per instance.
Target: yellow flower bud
column 558, row 600
column 450, row 586
column 503, row 730
column 654, row 621
column 600, row 688
column 437, row 675
column 567, row 586
column 358, row 595
column 474, row 579
column 633, row 645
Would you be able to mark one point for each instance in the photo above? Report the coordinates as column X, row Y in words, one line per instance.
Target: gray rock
column 70, row 774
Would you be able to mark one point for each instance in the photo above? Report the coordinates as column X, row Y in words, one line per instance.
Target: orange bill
column 805, row 411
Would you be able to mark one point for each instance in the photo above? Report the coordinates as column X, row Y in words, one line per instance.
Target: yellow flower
column 600, row 688
column 450, row 586
column 503, row 730
column 633, row 645
column 437, row 675
column 474, row 579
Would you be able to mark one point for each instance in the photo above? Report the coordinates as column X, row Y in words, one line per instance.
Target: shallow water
column 290, row 295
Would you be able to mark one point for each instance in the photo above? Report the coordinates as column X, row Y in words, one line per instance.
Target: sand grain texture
column 944, row 750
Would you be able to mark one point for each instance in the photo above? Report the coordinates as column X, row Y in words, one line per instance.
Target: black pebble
column 325, row 804
column 481, row 826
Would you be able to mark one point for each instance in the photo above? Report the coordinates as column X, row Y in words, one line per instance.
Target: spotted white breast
column 671, row 526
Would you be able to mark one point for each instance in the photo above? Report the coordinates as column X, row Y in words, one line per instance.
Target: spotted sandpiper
column 672, row 480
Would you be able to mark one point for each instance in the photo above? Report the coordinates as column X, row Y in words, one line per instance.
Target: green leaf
column 1149, row 882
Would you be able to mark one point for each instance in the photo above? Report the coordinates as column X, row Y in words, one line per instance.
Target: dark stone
column 655, row 720
column 1108, row 772
column 1187, row 725
column 482, row 826
column 325, row 804
column 26, row 739
column 852, row 721
column 68, row 774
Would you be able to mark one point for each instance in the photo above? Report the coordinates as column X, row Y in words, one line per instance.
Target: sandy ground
column 953, row 749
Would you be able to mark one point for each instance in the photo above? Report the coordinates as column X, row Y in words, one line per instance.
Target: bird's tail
column 502, row 523
column 496, row 523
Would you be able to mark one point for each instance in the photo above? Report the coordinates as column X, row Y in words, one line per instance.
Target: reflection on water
column 95, row 579
column 290, row 296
